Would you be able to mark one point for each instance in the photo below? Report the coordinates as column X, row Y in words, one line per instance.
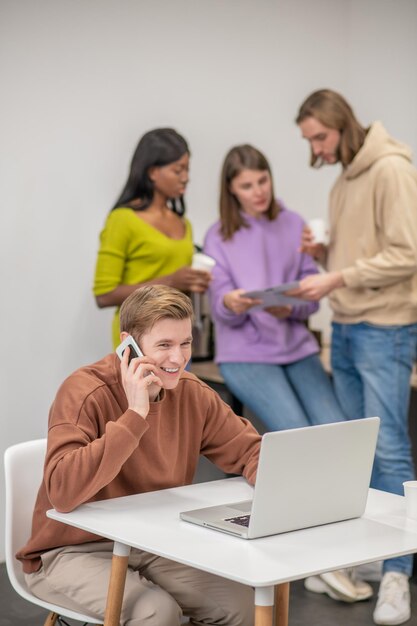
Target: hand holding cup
column 319, row 231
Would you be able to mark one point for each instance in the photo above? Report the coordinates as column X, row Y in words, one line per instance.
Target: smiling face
column 168, row 343
column 253, row 191
column 324, row 141
column 171, row 180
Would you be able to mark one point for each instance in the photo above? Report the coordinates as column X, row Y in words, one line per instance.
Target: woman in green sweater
column 146, row 238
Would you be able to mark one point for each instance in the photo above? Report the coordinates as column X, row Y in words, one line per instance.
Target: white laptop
column 306, row 477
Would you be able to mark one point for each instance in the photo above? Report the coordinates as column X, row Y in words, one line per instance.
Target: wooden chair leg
column 282, row 601
column 51, row 619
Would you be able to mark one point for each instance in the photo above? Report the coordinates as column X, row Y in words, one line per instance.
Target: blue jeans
column 285, row 396
column 371, row 370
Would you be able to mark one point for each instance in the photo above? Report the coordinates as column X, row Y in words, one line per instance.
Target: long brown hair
column 239, row 158
column 333, row 111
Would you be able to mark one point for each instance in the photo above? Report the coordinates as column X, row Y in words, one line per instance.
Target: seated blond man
column 118, row 428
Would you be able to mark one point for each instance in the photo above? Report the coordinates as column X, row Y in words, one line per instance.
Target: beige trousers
column 157, row 593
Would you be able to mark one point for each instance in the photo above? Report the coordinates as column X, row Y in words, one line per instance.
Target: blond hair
column 150, row 304
column 333, row 111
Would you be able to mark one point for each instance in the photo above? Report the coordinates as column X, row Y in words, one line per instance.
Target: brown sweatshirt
column 373, row 234
column 99, row 449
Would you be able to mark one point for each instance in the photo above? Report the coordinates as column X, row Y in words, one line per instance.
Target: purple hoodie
column 261, row 256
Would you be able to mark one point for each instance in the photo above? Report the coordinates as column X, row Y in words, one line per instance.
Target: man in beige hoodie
column 371, row 281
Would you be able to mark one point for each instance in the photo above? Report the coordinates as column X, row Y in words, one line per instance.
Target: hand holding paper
column 238, row 302
column 280, row 312
column 317, row 286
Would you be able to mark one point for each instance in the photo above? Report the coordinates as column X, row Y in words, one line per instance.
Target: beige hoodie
column 373, row 234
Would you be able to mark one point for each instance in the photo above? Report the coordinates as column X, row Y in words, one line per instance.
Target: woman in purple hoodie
column 267, row 356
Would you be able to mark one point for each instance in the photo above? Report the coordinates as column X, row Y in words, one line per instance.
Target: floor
column 306, row 609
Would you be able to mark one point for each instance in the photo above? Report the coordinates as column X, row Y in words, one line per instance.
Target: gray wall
column 82, row 80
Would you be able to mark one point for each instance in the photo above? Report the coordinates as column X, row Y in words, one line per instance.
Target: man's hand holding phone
column 140, row 380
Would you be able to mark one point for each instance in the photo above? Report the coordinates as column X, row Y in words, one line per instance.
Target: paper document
column 274, row 296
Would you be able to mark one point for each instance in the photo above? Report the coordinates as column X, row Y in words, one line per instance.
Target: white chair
column 23, row 465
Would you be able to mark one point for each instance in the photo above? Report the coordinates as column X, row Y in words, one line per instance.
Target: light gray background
column 82, row 80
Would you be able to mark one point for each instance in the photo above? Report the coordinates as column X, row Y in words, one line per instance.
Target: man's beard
column 319, row 162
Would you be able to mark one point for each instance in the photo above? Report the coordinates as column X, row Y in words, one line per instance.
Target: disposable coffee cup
column 410, row 492
column 202, row 261
column 318, row 228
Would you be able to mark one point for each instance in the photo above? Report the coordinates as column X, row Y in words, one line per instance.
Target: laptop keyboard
column 241, row 520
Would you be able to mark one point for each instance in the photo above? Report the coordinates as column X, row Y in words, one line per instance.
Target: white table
column 151, row 522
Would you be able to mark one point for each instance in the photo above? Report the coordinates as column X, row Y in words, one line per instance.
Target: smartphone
column 135, row 351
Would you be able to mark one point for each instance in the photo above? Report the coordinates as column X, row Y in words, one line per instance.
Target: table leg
column 264, row 606
column 282, row 600
column 116, row 584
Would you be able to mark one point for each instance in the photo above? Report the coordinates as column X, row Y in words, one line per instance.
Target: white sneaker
column 339, row 585
column 393, row 605
column 364, row 590
column 317, row 585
